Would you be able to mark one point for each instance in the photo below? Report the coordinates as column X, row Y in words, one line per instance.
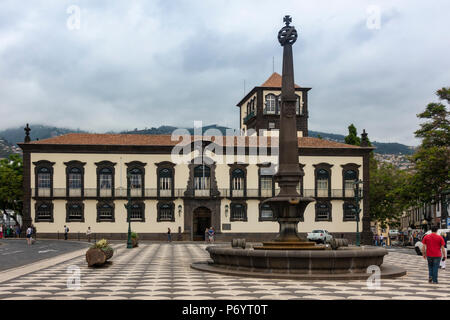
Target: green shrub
column 103, row 243
column 134, row 235
column 105, row 247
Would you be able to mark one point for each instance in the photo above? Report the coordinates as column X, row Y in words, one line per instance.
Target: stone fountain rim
column 340, row 253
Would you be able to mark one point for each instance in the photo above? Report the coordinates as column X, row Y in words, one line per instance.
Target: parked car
column 393, row 233
column 419, row 245
column 319, row 236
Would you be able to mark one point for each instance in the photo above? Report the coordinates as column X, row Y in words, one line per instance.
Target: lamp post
column 128, row 207
column 357, row 210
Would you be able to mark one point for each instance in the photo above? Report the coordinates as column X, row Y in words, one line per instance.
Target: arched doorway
column 200, row 221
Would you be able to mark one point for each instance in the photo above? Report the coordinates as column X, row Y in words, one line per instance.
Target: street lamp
column 357, row 210
column 128, row 207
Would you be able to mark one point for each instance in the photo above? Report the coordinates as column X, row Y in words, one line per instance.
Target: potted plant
column 99, row 253
column 134, row 239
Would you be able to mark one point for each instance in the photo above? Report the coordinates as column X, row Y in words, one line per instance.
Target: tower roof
column 274, row 81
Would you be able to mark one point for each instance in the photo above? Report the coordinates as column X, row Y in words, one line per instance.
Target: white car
column 319, row 236
column 393, row 233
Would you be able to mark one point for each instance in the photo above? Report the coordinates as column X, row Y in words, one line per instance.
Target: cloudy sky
column 136, row 64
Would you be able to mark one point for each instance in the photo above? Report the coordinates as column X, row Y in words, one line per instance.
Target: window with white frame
column 105, row 179
column 350, row 176
column 323, row 211
column 323, row 180
column 349, row 211
column 299, row 106
column 270, row 104
column 75, row 178
column 166, row 212
column 75, row 212
column 266, row 212
column 237, row 179
column 137, row 211
column 202, row 177
column 135, row 178
column 44, row 212
column 266, row 186
column 44, row 178
column 238, row 212
column 105, row 212
column 165, row 179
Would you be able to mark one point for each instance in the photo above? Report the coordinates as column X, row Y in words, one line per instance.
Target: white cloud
column 141, row 64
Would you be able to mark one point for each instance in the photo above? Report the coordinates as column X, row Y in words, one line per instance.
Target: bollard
column 238, row 243
column 337, row 243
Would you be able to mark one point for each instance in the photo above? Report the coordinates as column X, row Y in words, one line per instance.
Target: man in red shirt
column 433, row 248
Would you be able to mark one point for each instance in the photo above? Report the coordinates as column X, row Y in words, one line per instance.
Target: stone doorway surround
column 190, row 208
column 191, row 202
column 201, row 220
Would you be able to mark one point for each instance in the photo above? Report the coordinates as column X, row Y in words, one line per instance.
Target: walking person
column 206, row 235
column 381, row 240
column 18, row 231
column 88, row 234
column 29, row 235
column 433, row 250
column 211, row 234
column 444, row 257
column 1, row 231
column 33, row 232
column 169, row 236
column 66, row 232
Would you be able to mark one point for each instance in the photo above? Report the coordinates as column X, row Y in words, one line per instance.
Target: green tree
column 11, row 185
column 432, row 158
column 389, row 193
column 352, row 137
column 387, row 186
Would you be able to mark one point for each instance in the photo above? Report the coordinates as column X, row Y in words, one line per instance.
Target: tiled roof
column 274, row 80
column 165, row 140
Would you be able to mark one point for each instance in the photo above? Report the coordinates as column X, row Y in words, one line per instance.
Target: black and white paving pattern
column 156, row 271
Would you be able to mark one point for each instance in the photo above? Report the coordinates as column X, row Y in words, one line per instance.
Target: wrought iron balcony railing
column 180, row 192
column 249, row 116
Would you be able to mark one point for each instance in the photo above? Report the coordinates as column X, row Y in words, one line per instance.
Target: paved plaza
column 16, row 252
column 162, row 271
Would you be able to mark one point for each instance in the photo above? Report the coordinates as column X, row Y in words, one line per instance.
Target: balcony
column 267, row 111
column 249, row 116
column 121, row 193
column 201, row 193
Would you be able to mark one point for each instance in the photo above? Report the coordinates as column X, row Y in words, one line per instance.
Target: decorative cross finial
column 27, row 133
column 287, row 34
column 287, row 20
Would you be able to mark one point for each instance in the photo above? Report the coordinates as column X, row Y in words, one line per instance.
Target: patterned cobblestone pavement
column 162, row 271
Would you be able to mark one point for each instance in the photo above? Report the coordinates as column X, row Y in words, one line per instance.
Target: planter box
column 98, row 257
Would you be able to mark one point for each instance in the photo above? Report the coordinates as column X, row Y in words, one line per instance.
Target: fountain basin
column 343, row 263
